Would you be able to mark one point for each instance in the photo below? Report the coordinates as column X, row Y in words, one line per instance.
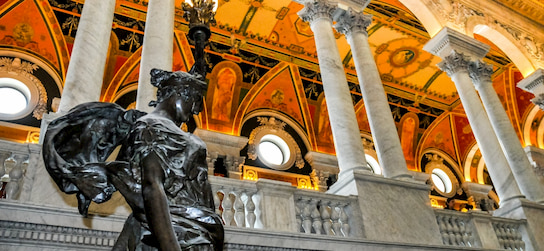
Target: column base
column 533, row 231
column 393, row 210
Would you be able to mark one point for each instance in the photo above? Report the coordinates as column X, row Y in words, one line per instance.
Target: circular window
column 14, row 96
column 373, row 163
column 441, row 180
column 273, row 150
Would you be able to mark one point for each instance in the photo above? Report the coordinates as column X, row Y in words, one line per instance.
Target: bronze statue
column 160, row 170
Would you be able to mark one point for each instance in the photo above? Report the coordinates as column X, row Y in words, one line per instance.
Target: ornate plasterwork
column 24, row 71
column 480, row 72
column 316, row 10
column 275, row 127
column 352, row 21
column 457, row 14
column 454, row 63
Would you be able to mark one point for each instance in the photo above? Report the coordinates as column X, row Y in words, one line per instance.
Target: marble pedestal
column 533, row 231
column 392, row 210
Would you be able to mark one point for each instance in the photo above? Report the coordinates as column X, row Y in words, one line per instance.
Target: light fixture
column 200, row 14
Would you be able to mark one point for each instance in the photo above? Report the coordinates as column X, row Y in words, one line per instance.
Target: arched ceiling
column 264, row 36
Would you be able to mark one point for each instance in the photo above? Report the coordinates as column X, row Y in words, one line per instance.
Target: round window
column 373, row 163
column 273, row 150
column 441, row 180
column 14, row 96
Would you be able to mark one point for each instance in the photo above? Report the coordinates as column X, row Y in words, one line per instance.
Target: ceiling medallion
column 403, row 56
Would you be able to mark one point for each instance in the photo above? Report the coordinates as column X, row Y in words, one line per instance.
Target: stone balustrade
column 509, row 235
column 325, row 214
column 262, row 213
column 456, row 229
column 479, row 229
column 15, row 159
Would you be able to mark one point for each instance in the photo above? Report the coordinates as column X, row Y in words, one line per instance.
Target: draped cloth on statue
column 77, row 145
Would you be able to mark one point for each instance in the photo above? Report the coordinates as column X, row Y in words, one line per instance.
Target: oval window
column 273, row 150
column 14, row 96
column 441, row 180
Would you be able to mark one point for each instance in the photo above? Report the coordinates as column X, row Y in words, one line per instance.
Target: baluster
column 239, row 211
column 306, row 218
column 344, row 220
column 335, row 216
column 216, row 200
column 15, row 175
column 326, row 216
column 299, row 208
column 250, row 207
column 457, row 231
column 449, row 230
column 227, row 208
column 316, row 217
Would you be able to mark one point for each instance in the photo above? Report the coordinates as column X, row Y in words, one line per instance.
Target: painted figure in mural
column 224, row 90
column 160, row 169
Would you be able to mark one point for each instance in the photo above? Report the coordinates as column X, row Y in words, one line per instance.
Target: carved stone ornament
column 480, row 72
column 454, row 63
column 539, row 100
column 275, row 127
column 352, row 21
column 457, row 15
column 315, row 10
column 25, row 70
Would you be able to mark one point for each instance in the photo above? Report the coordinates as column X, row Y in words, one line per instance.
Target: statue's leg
column 130, row 236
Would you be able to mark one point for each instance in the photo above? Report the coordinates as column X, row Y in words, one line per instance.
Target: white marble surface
column 349, row 149
column 86, row 69
column 382, row 125
column 393, row 210
column 457, row 50
column 222, row 144
column 157, row 49
column 533, row 213
column 511, row 146
column 277, row 205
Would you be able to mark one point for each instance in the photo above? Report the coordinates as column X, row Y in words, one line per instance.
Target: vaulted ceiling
column 270, row 48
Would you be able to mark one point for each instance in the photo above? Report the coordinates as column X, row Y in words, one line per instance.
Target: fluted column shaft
column 345, row 130
column 517, row 159
column 382, row 125
column 86, row 69
column 158, row 48
column 456, row 66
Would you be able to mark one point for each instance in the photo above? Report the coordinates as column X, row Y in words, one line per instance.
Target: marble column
column 86, row 69
column 345, row 130
column 353, row 25
column 158, row 48
column 457, row 51
column 517, row 159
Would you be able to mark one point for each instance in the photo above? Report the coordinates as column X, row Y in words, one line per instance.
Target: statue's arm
column 155, row 202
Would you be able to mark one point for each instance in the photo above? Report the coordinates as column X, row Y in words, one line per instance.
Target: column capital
column 353, row 21
column 480, row 73
column 449, row 40
column 454, row 63
column 317, row 9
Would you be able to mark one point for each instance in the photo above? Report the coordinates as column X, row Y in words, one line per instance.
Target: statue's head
column 187, row 86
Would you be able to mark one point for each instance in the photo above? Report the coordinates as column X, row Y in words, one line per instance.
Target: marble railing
column 15, row 159
column 273, row 205
column 456, row 228
column 508, row 233
column 479, row 229
column 324, row 214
